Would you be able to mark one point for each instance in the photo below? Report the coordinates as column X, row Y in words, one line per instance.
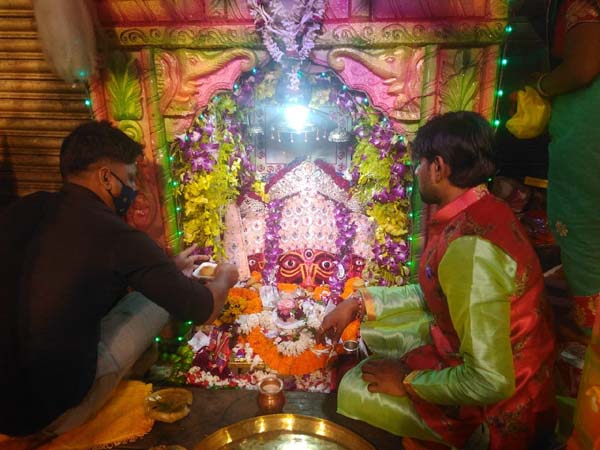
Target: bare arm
column 581, row 64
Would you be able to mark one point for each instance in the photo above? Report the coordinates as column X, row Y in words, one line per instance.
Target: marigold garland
column 239, row 301
column 305, row 363
column 287, row 287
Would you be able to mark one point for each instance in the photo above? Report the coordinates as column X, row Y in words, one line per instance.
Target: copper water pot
column 270, row 395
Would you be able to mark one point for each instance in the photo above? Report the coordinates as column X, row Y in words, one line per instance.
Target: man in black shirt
column 66, row 260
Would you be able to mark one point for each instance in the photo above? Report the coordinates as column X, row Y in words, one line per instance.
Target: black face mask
column 124, row 200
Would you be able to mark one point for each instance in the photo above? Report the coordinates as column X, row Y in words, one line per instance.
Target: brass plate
column 284, row 431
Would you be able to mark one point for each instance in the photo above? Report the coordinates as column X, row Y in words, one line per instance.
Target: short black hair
column 93, row 141
column 465, row 141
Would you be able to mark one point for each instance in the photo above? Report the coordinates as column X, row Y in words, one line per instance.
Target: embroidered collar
column 460, row 204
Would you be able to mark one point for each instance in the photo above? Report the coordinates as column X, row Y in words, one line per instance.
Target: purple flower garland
column 272, row 249
column 392, row 254
column 346, row 234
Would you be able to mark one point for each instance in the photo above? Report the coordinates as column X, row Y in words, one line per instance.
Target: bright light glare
column 299, row 443
column 295, row 116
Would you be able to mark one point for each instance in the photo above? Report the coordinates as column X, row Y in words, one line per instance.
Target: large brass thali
column 284, row 432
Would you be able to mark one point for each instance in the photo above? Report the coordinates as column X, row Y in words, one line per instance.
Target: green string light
column 497, row 122
column 504, row 61
column 180, row 338
column 171, row 158
column 508, row 28
column 189, row 322
column 500, row 93
column 178, row 208
column 157, row 339
column 88, row 102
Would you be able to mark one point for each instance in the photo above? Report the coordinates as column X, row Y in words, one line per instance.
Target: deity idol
column 309, row 232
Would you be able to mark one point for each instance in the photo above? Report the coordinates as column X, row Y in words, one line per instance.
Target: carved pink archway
column 414, row 59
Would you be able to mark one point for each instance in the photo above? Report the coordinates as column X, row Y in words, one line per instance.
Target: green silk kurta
column 477, row 278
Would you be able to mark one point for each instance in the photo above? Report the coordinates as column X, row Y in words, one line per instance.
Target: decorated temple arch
column 275, row 184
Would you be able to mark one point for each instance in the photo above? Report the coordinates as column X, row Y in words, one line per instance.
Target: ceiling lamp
column 338, row 135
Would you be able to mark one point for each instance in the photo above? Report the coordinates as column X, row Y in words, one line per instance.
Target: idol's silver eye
column 290, row 264
column 327, row 265
column 308, row 254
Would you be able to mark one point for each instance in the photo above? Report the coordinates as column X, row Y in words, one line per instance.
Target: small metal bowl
column 350, row 346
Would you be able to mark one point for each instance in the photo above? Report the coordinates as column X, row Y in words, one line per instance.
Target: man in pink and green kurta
column 463, row 359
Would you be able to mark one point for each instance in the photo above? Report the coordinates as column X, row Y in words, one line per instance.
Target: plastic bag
column 532, row 116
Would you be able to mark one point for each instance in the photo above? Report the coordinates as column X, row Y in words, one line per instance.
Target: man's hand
column 187, row 262
column 226, row 275
column 334, row 323
column 384, row 376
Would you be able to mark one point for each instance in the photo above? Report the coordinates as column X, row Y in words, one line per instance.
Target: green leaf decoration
column 123, row 86
column 461, row 87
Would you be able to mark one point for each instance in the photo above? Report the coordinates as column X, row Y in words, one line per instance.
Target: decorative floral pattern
column 561, row 229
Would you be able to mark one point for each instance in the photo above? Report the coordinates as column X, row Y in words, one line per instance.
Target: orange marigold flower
column 287, row 287
column 351, row 285
column 253, row 303
column 321, row 291
column 256, row 276
column 351, row 331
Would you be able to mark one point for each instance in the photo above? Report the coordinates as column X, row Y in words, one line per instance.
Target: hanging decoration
column 288, row 31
